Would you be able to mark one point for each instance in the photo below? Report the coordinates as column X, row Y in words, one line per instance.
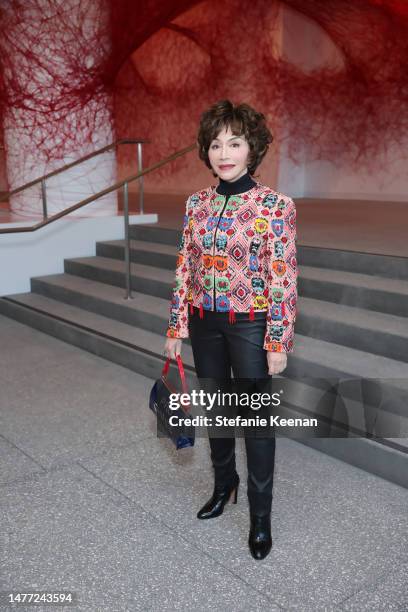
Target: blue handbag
column 180, row 434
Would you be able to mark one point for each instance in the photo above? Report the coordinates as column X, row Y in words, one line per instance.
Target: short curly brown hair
column 244, row 121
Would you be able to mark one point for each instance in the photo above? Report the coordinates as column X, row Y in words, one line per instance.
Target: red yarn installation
column 360, row 110
column 48, row 73
column 167, row 60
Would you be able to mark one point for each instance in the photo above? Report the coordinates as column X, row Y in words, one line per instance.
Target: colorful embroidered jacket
column 238, row 253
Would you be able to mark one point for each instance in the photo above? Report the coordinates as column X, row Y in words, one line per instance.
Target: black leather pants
column 217, row 347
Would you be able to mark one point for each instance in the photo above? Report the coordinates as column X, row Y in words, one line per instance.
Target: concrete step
column 146, row 253
column 387, row 295
column 363, row 291
column 135, row 320
column 316, row 362
column 157, row 234
column 145, row 279
column 147, row 312
column 365, row 330
column 350, row 363
column 387, row 266
column 141, row 351
column 138, row 349
column 313, row 357
column 369, row 331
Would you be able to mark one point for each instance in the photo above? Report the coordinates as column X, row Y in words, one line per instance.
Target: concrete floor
column 92, row 501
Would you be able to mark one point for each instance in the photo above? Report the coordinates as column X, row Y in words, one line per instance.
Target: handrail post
column 139, row 169
column 128, row 295
column 92, row 198
column 44, row 199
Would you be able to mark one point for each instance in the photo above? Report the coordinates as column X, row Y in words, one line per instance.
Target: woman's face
column 228, row 155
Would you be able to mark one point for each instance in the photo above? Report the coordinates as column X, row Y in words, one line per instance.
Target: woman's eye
column 234, row 144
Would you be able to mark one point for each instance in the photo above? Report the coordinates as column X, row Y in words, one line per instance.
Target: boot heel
column 234, row 495
column 221, row 496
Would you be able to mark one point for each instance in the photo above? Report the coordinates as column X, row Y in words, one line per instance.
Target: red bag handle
column 181, row 371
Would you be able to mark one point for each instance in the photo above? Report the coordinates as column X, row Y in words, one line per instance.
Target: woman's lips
column 226, row 167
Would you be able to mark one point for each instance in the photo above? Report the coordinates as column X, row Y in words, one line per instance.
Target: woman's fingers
column 177, row 348
column 172, row 348
column 276, row 362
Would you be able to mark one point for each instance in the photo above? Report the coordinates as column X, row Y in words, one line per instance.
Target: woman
column 235, row 294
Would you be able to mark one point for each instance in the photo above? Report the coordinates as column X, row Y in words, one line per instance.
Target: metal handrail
column 138, row 141
column 123, row 183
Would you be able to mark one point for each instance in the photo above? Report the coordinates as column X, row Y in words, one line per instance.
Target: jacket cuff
column 284, row 346
column 174, row 333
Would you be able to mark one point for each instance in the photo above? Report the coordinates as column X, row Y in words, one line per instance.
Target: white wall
column 43, row 251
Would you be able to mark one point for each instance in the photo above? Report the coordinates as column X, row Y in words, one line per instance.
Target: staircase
column 351, row 324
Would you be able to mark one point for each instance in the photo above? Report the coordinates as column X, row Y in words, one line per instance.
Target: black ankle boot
column 260, row 539
column 215, row 505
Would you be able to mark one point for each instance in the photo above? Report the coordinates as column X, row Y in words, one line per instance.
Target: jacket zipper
column 215, row 236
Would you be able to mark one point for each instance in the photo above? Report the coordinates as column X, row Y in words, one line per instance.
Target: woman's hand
column 276, row 362
column 172, row 347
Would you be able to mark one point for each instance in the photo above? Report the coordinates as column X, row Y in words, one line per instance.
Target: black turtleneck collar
column 244, row 183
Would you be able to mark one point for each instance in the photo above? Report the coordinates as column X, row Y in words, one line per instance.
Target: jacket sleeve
column 178, row 320
column 282, row 278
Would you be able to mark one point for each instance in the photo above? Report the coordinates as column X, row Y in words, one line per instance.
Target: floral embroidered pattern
column 241, row 262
